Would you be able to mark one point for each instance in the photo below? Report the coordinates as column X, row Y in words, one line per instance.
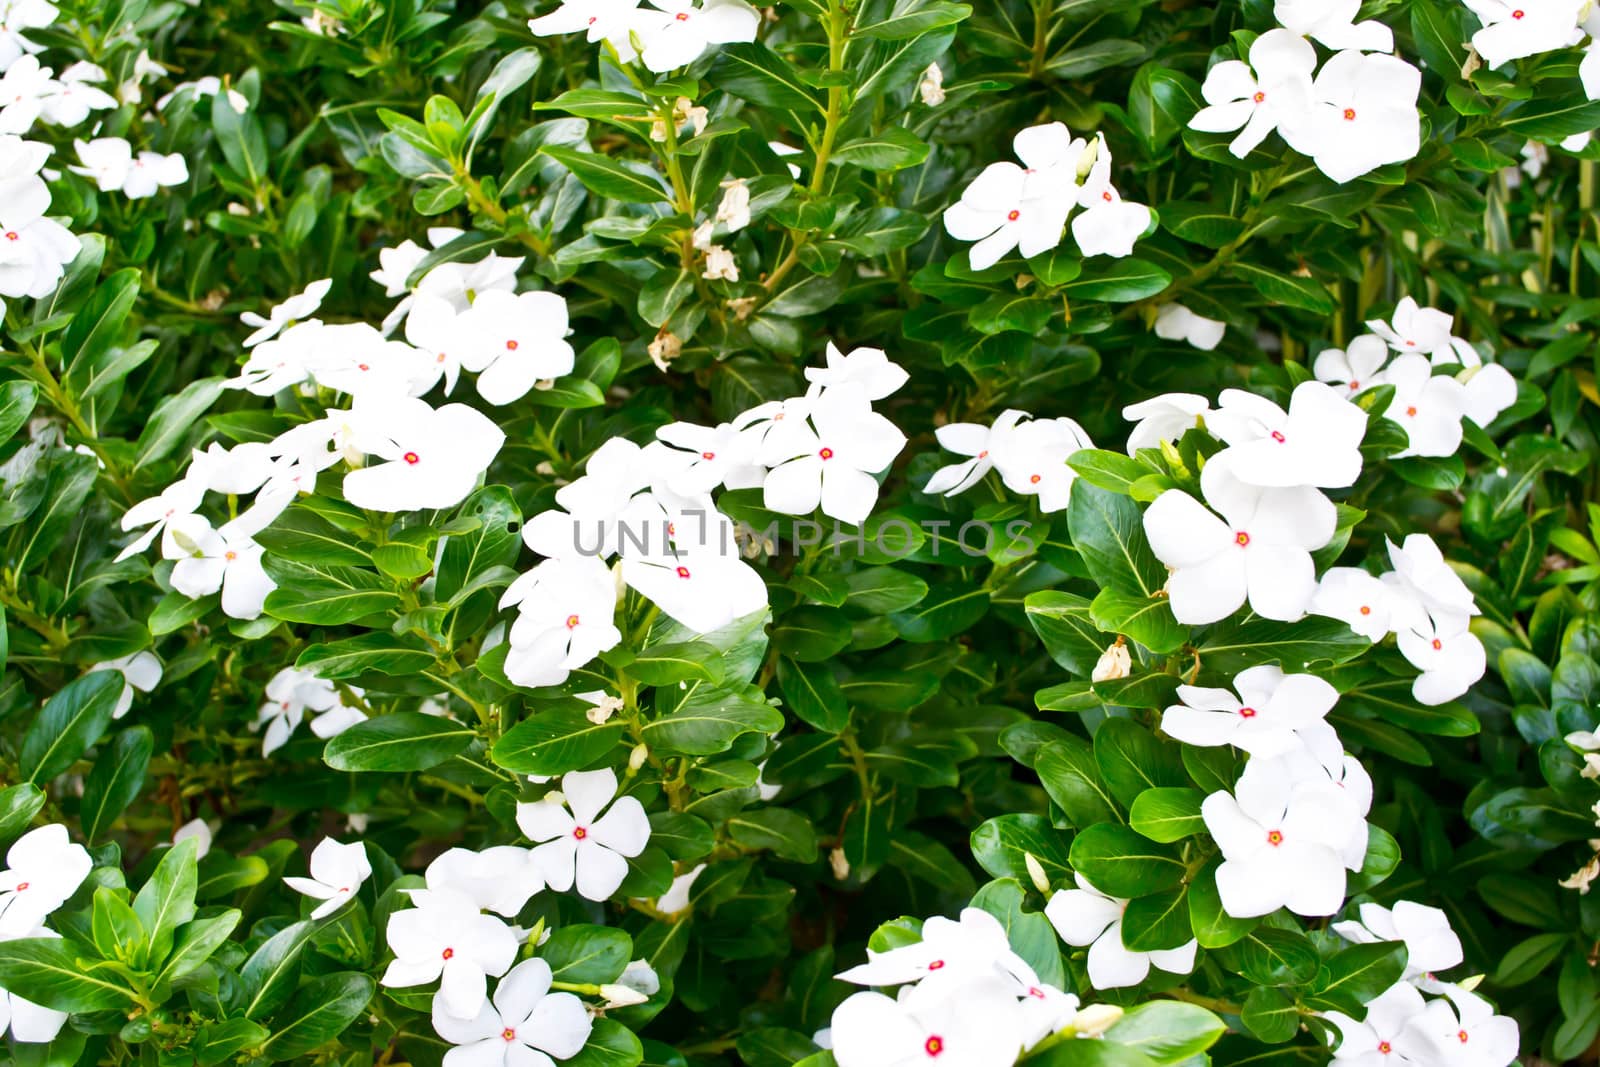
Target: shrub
column 855, row 533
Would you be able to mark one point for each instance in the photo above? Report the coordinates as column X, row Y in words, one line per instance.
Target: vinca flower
column 290, row 694
column 1431, row 945
column 1417, row 330
column 1356, row 368
column 679, row 31
column 578, row 845
column 34, row 251
column 141, row 672
column 1259, row 550
column 597, row 20
column 975, row 1024
column 1449, row 655
column 500, row 878
column 1462, row 1029
column 524, row 1025
column 1164, row 418
column 565, row 619
column 1021, row 207
column 702, row 588
column 1316, row 443
column 1356, row 598
column 337, row 872
column 976, row 441
column 1107, row 225
column 1514, row 29
column 1488, row 390
column 43, row 868
column 432, row 458
column 1174, row 322
column 972, row 947
column 1032, row 460
column 295, row 309
column 75, row 96
column 225, row 558
column 1270, row 92
column 831, row 460
column 1264, row 719
column 870, row 369
column 1383, row 1037
column 512, row 341
column 16, row 18
column 1363, row 115
column 443, row 937
column 1332, row 23
column 1422, row 575
column 113, row 166
column 1427, row 406
column 1086, row 916
column 1281, row 841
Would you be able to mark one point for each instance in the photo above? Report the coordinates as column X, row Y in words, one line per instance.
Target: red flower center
column 1247, row 713
column 1437, row 644
column 1277, row 435
column 1365, row 610
column 509, row 1034
column 1519, row 13
column 1353, row 384
column 1035, row 479
column 1349, row 114
column 1242, row 539
column 708, row 455
column 362, row 366
column 441, row 358
column 1275, row 838
column 683, row 572
column 1384, row 1047
column 572, row 622
column 580, row 833
column 447, row 953
column 826, row 453
column 1014, row 216
column 1259, row 97
column 21, row 886
column 230, row 555
column 984, row 454
column 936, row 965
column 682, row 16
column 12, row 235
column 934, row 1045
column 592, row 20
column 511, row 346
column 412, row 458
column 1107, row 197
column 1462, row 1036
column 1035, row 992
column 1412, row 412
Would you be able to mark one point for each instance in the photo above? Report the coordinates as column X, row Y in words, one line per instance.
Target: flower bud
column 931, row 87
column 840, row 865
column 1096, row 1019
column 620, row 996
column 637, row 757
column 1041, row 881
column 1114, row 663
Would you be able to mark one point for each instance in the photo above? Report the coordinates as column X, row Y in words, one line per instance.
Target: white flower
column 1422, row 575
column 1449, row 655
column 676, row 898
column 579, row 845
column 598, row 20
column 639, row 976
column 682, row 32
column 1108, row 225
column 1317, row 442
column 525, row 1026
column 1265, row 719
column 34, row 252
column 23, row 90
column 395, row 266
column 200, row 832
column 1417, row 330
column 594, row 504
column 1271, row 92
column 702, row 588
column 1428, row 407
column 461, row 283
column 1363, row 115
column 300, row 306
column 111, row 163
column 869, row 368
column 1471, row 1035
column 43, row 868
column 1281, row 841
column 433, row 458
column 962, row 951
column 355, row 358
column 782, row 150
column 1086, row 916
column 434, row 327
column 1332, row 23
column 75, row 96
column 1381, row 1038
column 1356, row 368
column 974, row 440
column 1356, row 598
column 16, row 18
column 241, row 469
column 1032, row 460
column 284, row 361
column 226, row 558
column 930, row 87
column 1045, row 1011
column 140, row 671
column 22, row 191
column 565, row 612
column 1324, row 760
column 337, row 871
column 512, row 340
column 500, row 878
column 1174, row 322
column 832, row 460
column 1025, row 208
column 734, row 210
column 714, row 456
column 1431, row 945
column 720, row 265
column 336, row 720
column 28, row 1022
column 1259, row 550
column 976, row 1025
column 290, row 694
column 1164, row 418
column 1490, row 389
column 159, row 512
column 445, row 937
column 1514, row 29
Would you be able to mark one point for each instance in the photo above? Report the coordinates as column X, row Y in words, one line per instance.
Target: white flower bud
column 720, row 264
column 734, row 211
column 620, row 996
column 1041, row 881
column 637, row 757
column 1114, row 663
column 931, row 87
column 1095, row 1019
column 840, row 865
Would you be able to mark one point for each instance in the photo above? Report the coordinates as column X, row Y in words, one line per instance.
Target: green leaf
column 68, row 724
column 1213, row 926
column 215, row 1042
column 787, row 833
column 1146, row 620
column 1132, row 760
column 610, row 1045
column 269, row 976
column 811, row 634
column 118, row 933
column 1120, row 862
column 16, row 404
column 1167, row 1031
column 1068, row 772
column 759, row 75
column 319, row 1012
column 175, row 417
column 166, row 901
column 1356, row 975
column 49, row 970
column 195, row 942
column 913, row 18
column 1108, row 532
column 812, row 693
column 377, row 652
column 585, row 953
column 1271, row 1015
column 399, row 741
column 1233, row 646
column 708, row 721
column 1302, row 293
column 116, row 780
column 624, row 180
column 1063, row 623
column 555, row 741
column 1167, row 814
column 895, row 148
column 18, row 805
column 1118, row 281
column 668, row 664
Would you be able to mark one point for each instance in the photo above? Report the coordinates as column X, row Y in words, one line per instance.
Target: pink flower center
column 1013, row 216
column 826, row 453
column 1349, row 114
column 1384, row 1047
column 1035, row 479
column 936, row 965
column 230, row 555
column 1437, row 644
column 21, row 886
column 682, row 16
column 708, row 455
column 1462, row 1036
column 1260, row 98
column 511, row 346
column 508, row 1034
column 1107, row 197
column 1412, row 412
column 934, row 1045
column 1275, row 838
column 1277, row 435
column 441, row 358
column 1247, row 713
column 12, row 235
column 1517, row 14
column 362, row 366
column 572, row 622
column 683, row 572
column 1242, row 539
column 447, row 953
column 1035, row 992
column 1353, row 384
column 1365, row 610
column 412, row 458
column 580, row 833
